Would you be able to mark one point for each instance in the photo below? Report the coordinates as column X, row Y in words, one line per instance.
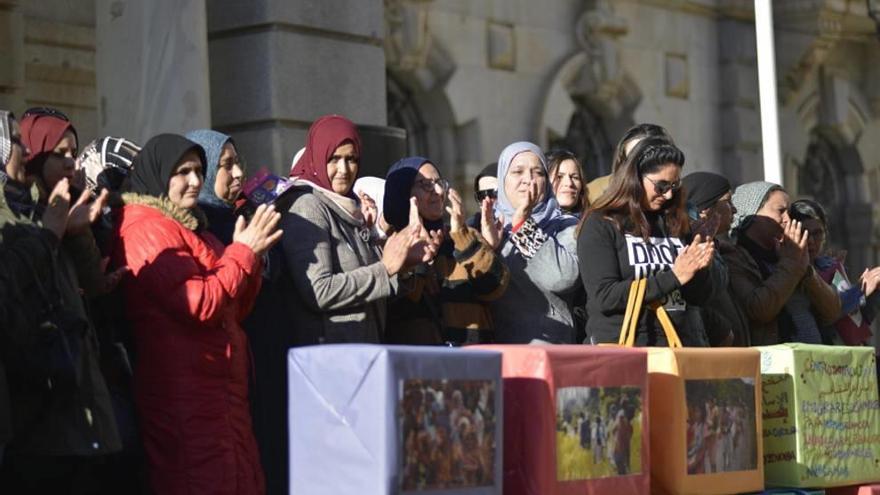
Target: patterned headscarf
column 5, row 138
column 748, row 199
column 107, row 162
column 543, row 212
column 325, row 135
column 212, row 142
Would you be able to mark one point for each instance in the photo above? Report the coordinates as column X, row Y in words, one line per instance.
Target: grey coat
column 536, row 303
column 341, row 284
column 323, row 283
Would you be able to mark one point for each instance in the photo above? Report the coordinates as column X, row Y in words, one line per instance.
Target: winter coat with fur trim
column 185, row 298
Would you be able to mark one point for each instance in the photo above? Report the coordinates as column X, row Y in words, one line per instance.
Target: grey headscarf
column 547, row 209
column 212, row 142
column 748, row 199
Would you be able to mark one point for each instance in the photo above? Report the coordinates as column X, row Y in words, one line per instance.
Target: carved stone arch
column 591, row 98
column 418, row 68
column 828, row 131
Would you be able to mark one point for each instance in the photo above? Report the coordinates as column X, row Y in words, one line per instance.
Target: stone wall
column 47, row 49
column 278, row 65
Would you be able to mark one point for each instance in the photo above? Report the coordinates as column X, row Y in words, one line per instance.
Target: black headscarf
column 155, row 163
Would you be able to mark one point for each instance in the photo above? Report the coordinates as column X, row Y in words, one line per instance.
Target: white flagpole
column 767, row 90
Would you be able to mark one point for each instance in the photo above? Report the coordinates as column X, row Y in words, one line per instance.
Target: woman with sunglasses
column 536, row 241
column 639, row 229
column 485, row 192
column 444, row 300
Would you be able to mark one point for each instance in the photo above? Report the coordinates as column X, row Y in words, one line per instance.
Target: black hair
column 806, row 209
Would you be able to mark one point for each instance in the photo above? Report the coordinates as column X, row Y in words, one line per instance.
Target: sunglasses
column 45, row 111
column 427, row 185
column 662, row 187
column 486, row 193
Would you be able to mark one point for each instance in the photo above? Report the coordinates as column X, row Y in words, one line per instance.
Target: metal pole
column 767, row 90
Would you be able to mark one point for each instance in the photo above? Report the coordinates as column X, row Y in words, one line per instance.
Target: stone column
column 277, row 65
column 152, row 67
column 740, row 122
column 11, row 56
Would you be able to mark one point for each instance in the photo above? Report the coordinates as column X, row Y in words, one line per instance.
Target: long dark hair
column 554, row 160
column 622, row 201
column 638, row 131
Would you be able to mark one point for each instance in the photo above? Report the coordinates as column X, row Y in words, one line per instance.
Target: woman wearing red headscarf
column 332, row 283
column 52, row 141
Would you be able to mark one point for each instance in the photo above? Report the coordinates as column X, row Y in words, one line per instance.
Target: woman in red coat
column 185, row 299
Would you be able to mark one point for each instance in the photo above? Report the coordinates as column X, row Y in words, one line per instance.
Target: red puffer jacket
column 185, row 301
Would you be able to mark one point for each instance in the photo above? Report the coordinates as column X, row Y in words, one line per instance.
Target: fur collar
column 193, row 219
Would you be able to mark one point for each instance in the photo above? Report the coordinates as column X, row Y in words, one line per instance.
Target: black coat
column 52, row 413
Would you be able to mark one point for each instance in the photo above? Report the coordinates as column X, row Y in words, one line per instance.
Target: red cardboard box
column 575, row 420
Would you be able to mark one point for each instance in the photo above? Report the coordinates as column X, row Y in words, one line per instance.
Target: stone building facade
column 457, row 80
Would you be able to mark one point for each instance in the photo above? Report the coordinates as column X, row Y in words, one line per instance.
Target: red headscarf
column 326, row 134
column 41, row 133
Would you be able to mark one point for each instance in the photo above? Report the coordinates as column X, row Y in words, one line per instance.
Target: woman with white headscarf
column 538, row 245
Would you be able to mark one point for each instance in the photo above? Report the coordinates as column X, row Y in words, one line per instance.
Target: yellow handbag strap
column 631, row 317
column 668, row 327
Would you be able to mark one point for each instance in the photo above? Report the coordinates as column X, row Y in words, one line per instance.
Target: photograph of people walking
column 598, row 432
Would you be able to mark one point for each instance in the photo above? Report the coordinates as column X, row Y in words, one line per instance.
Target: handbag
column 54, row 347
column 634, row 304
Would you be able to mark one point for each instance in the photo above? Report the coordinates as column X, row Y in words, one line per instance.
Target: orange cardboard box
column 705, row 421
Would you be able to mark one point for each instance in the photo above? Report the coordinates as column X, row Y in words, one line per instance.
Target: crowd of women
column 147, row 305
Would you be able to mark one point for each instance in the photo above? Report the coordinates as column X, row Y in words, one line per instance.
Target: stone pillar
column 152, row 67
column 277, row 65
column 740, row 122
column 11, row 56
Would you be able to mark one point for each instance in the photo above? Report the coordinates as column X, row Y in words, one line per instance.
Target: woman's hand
column 693, row 258
column 57, row 211
column 870, row 279
column 412, row 245
column 457, row 222
column 369, row 210
column 84, row 213
column 491, row 228
column 524, row 211
column 262, row 232
column 794, row 244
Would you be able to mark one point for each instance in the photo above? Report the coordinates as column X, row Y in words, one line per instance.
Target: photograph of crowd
column 447, row 434
column 598, row 432
column 721, row 432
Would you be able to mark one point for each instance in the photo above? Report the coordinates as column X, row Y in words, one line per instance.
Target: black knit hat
column 704, row 189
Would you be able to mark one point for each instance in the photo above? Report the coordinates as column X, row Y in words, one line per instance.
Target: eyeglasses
column 486, row 193
column 45, row 111
column 662, row 187
column 427, row 185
